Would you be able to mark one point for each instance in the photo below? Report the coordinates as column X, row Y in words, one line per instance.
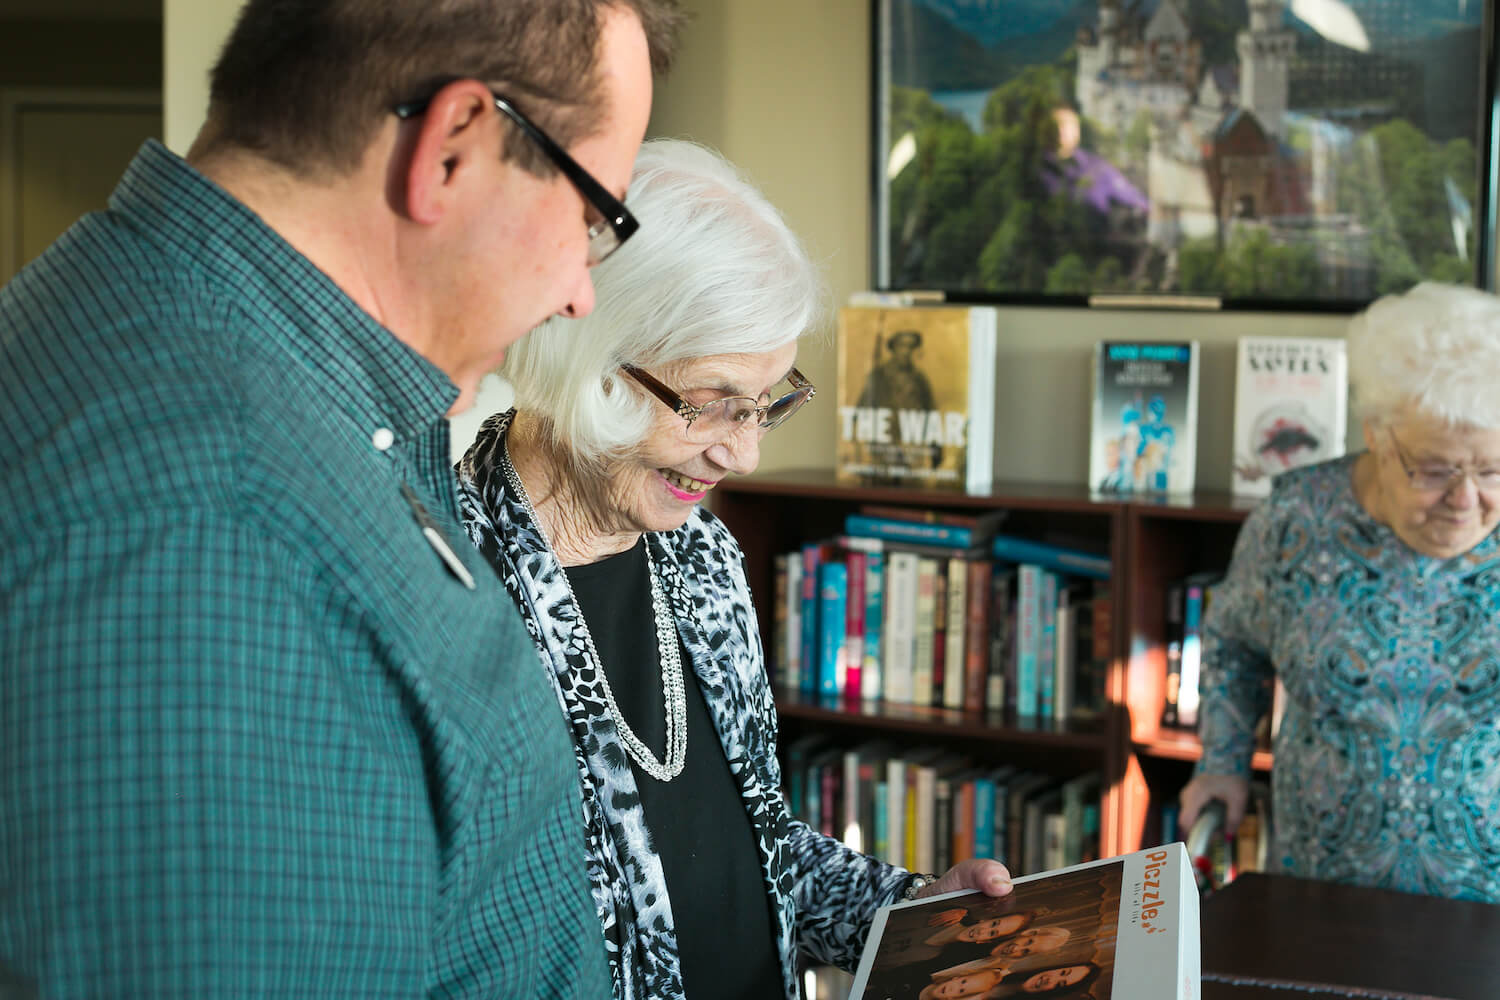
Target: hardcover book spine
column 1192, row 647
column 984, row 817
column 1063, row 667
column 895, row 810
column 833, row 591
column 1046, row 669
column 934, row 695
column 922, row 648
column 942, row 825
column 920, row 532
column 1000, row 684
column 899, row 644
column 976, row 634
column 871, row 682
column 780, row 664
column 955, row 653
column 851, row 680
column 1053, row 557
column 1173, row 681
column 812, row 556
column 792, row 650
column 1028, row 639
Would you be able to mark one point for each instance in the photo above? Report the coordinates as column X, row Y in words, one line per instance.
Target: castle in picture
column 1219, row 164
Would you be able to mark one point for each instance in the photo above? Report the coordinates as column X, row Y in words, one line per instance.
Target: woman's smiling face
column 656, row 488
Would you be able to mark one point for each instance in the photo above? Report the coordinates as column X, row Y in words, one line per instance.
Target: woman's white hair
column 1435, row 349
column 714, row 269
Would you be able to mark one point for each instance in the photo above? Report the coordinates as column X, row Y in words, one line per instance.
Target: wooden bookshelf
column 1151, row 541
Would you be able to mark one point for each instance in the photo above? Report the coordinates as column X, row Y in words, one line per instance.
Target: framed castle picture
column 1275, row 154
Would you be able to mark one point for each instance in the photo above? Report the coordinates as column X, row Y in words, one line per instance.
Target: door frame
column 15, row 101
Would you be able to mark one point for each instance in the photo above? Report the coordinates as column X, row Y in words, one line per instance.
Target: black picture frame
column 1050, row 199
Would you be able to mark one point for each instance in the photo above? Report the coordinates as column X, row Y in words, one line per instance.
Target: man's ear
column 453, row 132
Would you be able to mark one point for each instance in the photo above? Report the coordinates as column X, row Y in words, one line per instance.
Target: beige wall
column 782, row 88
column 193, row 32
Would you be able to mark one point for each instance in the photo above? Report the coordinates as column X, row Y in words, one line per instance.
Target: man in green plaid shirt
column 268, row 725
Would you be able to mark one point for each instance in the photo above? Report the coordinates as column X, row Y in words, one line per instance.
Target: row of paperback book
column 916, row 391
column 944, row 611
column 927, row 809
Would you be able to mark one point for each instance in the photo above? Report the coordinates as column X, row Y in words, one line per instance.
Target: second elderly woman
column 1370, row 585
column 585, row 500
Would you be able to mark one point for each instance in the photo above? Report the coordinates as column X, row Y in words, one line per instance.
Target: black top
column 720, row 902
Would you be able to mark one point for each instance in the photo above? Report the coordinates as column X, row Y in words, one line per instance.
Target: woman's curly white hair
column 1434, row 349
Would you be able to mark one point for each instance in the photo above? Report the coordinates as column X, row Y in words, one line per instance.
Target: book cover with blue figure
column 1144, row 430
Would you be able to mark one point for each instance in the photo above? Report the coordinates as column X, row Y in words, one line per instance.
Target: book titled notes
column 1119, row 929
column 1291, row 407
column 1144, row 430
column 916, row 396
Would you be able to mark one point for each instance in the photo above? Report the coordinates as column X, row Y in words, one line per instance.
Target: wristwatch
column 915, row 885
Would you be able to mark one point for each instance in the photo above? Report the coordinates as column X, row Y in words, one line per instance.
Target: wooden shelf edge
column 994, row 726
column 1185, row 746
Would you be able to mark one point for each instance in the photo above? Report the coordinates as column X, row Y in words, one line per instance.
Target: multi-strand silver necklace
column 674, row 695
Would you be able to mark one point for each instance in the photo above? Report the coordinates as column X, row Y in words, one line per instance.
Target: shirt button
column 382, row 439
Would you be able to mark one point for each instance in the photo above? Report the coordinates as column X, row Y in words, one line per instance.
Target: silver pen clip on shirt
column 435, row 538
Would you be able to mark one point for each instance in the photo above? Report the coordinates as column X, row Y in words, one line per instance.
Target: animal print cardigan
column 823, row 895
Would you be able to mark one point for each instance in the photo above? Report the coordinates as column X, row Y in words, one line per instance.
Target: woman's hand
column 1233, row 791
column 989, row 877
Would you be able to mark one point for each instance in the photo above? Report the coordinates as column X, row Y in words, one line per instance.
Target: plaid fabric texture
column 256, row 739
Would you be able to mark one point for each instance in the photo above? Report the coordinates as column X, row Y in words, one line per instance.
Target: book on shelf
column 976, row 627
column 851, row 677
column 1022, row 789
column 1291, row 407
column 924, row 646
column 872, row 681
column 951, row 694
column 1058, row 558
column 1046, row 658
column 988, row 520
column 1186, row 601
column 1172, row 600
column 1144, row 428
column 1196, row 597
column 937, row 533
column 916, row 390
column 1028, row 639
column 1000, row 679
column 1122, row 927
column 833, row 644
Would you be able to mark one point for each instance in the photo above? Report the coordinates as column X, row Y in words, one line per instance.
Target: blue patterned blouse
column 1386, row 770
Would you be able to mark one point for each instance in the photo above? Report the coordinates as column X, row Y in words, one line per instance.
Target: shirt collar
column 369, row 373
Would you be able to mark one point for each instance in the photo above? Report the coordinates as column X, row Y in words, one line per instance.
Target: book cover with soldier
column 1115, row 929
column 1291, row 407
column 1144, row 431
column 916, row 396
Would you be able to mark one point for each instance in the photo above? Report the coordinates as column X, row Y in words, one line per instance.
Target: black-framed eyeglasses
column 1442, row 478
column 717, row 419
column 614, row 223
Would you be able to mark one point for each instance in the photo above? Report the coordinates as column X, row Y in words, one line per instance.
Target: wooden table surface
column 1274, row 936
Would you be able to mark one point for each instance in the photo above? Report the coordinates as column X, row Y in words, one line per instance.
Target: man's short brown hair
column 306, row 83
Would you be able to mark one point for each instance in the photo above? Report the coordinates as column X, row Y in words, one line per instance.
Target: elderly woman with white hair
column 1370, row 585
column 585, row 499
